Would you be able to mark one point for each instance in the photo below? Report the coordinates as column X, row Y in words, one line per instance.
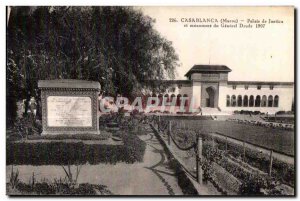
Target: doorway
column 210, row 100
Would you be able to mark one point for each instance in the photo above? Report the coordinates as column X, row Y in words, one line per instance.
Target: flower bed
column 283, row 172
column 225, row 180
column 253, row 183
column 245, row 176
column 252, row 172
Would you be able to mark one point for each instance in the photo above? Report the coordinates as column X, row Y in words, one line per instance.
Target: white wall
column 285, row 93
column 223, row 91
column 196, row 93
column 182, row 90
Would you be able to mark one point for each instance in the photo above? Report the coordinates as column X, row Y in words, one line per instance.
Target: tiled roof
column 207, row 68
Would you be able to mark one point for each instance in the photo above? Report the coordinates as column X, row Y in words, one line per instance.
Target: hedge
column 58, row 188
column 62, row 153
column 103, row 136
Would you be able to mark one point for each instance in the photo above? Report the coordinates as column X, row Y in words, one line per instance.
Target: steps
column 211, row 111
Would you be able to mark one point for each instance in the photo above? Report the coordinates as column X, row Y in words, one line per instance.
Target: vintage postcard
column 156, row 101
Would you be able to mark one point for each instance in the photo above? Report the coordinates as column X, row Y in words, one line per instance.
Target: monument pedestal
column 69, row 106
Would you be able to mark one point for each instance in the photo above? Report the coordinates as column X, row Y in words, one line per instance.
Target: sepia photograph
column 150, row 101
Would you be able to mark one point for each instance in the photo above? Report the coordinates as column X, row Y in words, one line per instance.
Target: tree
column 116, row 46
column 12, row 91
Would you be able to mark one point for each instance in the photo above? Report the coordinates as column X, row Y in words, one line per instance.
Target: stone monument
column 69, row 106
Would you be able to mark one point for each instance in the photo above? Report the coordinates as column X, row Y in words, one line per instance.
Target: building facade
column 209, row 87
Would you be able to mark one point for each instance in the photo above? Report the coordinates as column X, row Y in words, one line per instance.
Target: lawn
column 272, row 138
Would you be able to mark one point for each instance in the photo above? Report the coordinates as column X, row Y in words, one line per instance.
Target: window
column 257, row 101
column 276, row 101
column 233, row 101
column 246, row 87
column 270, row 101
column 228, row 101
column 234, row 87
column 251, row 101
column 264, row 101
column 245, row 103
column 271, row 87
column 240, row 101
column 258, row 87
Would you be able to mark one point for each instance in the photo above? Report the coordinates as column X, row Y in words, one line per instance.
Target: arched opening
column 210, row 101
column 228, row 101
column 186, row 100
column 245, row 103
column 240, row 101
column 257, row 101
column 270, row 101
column 178, row 101
column 251, row 101
column 233, row 101
column 166, row 98
column 160, row 99
column 264, row 101
column 153, row 101
column 276, row 101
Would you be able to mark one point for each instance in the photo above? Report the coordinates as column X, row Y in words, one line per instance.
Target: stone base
column 70, row 132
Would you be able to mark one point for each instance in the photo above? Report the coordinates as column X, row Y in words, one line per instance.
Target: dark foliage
column 24, row 127
column 61, row 188
column 246, row 112
column 116, row 46
column 282, row 171
column 61, row 153
column 104, row 135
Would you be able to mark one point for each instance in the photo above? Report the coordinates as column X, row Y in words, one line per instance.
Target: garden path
column 150, row 177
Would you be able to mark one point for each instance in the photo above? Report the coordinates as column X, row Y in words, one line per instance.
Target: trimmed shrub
column 60, row 188
column 104, row 135
column 61, row 153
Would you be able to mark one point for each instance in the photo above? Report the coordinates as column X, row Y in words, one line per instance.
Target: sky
column 253, row 54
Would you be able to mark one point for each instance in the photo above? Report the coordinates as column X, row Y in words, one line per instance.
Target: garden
column 118, row 143
column 233, row 168
column 272, row 138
